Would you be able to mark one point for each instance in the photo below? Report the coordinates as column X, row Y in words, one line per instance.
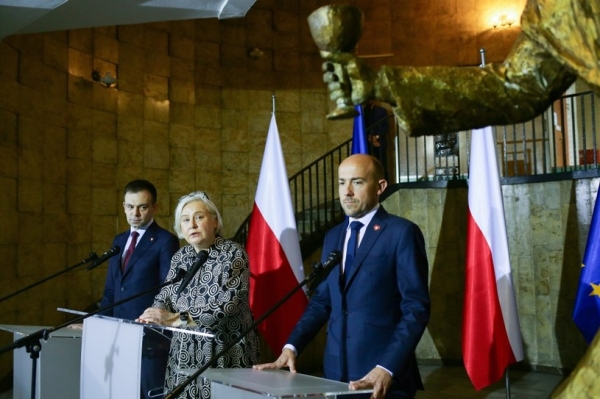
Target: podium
column 278, row 384
column 111, row 356
column 57, row 372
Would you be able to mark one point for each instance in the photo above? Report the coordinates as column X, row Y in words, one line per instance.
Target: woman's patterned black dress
column 217, row 300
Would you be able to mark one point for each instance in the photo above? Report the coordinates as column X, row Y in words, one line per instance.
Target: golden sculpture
column 337, row 29
column 557, row 44
column 584, row 381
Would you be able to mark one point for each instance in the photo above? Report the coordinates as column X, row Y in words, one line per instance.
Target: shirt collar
column 142, row 229
column 365, row 219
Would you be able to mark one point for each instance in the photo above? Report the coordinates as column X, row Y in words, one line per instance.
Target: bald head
column 361, row 182
column 366, row 162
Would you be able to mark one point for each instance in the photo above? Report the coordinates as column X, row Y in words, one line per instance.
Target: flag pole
column 507, row 383
column 273, row 97
column 506, row 370
column 482, row 56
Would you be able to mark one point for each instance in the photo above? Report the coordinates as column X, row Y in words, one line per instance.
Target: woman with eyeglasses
column 213, row 300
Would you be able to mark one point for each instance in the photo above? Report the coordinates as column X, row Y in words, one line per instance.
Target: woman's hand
column 158, row 316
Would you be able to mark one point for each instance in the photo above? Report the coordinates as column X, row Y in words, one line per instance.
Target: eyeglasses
column 195, row 194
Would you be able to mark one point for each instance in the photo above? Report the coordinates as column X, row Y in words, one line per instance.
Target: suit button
column 122, row 289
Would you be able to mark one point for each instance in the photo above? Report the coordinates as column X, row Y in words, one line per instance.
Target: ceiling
column 34, row 16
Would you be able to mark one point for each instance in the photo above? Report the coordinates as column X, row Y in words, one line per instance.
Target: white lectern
column 111, row 357
column 57, row 372
column 278, row 384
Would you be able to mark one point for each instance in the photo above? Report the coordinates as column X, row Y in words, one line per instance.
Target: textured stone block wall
column 190, row 111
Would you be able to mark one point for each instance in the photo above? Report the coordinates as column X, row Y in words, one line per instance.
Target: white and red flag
column 273, row 248
column 491, row 335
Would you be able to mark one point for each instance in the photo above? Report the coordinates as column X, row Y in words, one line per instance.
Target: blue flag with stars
column 359, row 138
column 586, row 313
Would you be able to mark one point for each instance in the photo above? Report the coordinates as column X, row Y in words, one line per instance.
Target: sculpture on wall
column 557, row 44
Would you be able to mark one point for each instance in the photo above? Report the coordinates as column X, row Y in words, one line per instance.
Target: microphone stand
column 318, row 269
column 90, row 258
column 33, row 344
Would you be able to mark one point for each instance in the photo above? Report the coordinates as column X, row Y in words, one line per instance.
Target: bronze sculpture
column 337, row 29
column 556, row 45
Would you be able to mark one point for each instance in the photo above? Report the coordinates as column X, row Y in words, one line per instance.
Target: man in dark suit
column 377, row 305
column 146, row 252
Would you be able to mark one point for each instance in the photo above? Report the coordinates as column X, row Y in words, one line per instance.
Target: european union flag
column 359, row 137
column 586, row 313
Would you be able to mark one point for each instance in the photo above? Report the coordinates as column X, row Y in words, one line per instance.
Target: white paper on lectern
column 110, row 359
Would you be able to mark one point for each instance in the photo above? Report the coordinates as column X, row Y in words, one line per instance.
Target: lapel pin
column 376, row 227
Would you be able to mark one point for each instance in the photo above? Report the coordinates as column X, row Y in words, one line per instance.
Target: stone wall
column 547, row 226
column 190, row 112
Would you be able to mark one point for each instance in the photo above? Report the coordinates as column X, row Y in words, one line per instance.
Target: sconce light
column 105, row 81
column 504, row 20
column 256, row 53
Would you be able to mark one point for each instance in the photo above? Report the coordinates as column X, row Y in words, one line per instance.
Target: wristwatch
column 184, row 317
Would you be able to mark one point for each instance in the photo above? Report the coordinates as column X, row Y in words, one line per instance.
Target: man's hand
column 76, row 326
column 286, row 359
column 378, row 379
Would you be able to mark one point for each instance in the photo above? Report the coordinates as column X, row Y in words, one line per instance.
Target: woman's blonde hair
column 208, row 204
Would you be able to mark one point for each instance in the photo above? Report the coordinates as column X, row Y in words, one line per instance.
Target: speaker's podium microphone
column 104, row 257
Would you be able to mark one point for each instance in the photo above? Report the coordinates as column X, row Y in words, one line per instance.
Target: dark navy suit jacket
column 147, row 268
column 380, row 314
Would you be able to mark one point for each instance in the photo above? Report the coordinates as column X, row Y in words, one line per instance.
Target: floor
column 444, row 382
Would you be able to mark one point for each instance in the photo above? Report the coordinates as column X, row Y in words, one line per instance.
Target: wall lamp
column 504, row 20
column 105, row 81
column 255, row 53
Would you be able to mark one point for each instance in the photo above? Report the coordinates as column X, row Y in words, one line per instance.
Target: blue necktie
column 351, row 247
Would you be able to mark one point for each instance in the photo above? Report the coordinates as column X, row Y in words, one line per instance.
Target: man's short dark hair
column 135, row 186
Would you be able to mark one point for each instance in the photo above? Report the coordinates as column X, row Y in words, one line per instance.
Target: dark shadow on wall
column 448, row 277
column 571, row 344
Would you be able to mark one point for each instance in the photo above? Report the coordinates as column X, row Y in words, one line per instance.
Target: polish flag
column 274, row 249
column 491, row 336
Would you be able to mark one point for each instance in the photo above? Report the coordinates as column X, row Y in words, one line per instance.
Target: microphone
column 332, row 260
column 179, row 276
column 200, row 260
column 323, row 269
column 90, row 258
column 105, row 256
